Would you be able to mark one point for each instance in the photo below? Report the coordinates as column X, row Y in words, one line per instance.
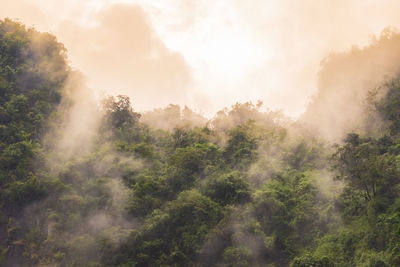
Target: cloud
column 122, row 54
column 206, row 54
column 30, row 14
column 299, row 35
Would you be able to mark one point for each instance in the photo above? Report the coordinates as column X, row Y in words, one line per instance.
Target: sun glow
column 205, row 54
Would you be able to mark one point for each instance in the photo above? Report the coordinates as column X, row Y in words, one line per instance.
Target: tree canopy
column 171, row 188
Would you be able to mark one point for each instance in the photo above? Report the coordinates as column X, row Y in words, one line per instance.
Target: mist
column 201, row 54
column 199, row 133
column 349, row 77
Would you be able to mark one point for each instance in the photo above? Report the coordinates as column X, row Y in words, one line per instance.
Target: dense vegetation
column 247, row 188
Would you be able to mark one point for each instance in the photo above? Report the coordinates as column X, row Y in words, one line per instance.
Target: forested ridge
column 171, row 188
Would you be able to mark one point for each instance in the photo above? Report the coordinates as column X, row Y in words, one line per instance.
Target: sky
column 206, row 54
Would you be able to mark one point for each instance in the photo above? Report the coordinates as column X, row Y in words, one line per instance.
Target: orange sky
column 206, row 54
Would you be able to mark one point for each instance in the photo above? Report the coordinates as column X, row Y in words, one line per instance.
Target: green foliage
column 389, row 107
column 228, row 189
column 119, row 111
column 241, row 148
column 173, row 235
column 25, row 192
column 29, row 93
column 370, row 169
column 248, row 188
column 146, row 195
column 187, row 165
column 285, row 207
column 308, row 260
column 237, row 257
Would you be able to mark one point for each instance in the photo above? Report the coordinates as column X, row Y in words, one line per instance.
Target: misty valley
column 86, row 180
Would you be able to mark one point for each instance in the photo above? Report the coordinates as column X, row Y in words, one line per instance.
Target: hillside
column 83, row 184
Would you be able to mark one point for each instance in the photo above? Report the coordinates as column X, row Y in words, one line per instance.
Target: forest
column 88, row 182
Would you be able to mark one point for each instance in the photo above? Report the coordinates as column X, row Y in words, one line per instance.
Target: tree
column 119, row 111
column 242, row 145
column 367, row 165
column 228, row 189
column 285, row 207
